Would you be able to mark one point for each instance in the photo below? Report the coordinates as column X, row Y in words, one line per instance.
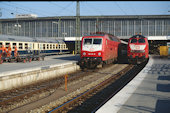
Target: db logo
column 137, row 47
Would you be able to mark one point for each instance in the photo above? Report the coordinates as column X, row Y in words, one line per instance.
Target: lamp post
column 17, row 25
column 77, row 41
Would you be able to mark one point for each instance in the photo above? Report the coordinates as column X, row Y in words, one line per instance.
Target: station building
column 155, row 27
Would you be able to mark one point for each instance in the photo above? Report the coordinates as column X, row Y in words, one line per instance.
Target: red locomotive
column 138, row 49
column 98, row 48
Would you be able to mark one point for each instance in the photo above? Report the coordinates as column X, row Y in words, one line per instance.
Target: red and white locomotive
column 98, row 48
column 138, row 49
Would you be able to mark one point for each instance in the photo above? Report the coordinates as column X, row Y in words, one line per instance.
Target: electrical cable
column 121, row 8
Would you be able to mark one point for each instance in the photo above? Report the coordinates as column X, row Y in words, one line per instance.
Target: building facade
column 65, row 26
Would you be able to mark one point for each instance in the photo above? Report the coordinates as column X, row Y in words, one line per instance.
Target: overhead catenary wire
column 92, row 8
column 35, row 9
column 131, row 7
column 121, row 8
column 62, row 8
column 26, row 10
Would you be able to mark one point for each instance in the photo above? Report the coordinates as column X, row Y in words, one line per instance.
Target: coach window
column 97, row 41
column 53, row 46
column 26, row 45
column 50, row 46
column 43, row 46
column 47, row 46
column 7, row 45
column 20, row 45
column 13, row 45
column 56, row 46
column 61, row 46
column 87, row 41
column 0, row 44
column 141, row 40
column 133, row 41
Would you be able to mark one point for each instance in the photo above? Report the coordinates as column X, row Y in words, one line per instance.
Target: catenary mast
column 77, row 41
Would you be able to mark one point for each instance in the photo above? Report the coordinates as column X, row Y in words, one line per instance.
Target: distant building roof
column 93, row 17
column 30, row 39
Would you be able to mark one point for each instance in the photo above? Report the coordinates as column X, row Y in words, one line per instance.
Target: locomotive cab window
column 87, row 41
column 141, row 40
column 133, row 41
column 97, row 41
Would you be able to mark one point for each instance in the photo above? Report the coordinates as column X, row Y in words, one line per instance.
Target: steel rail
column 135, row 70
column 66, row 105
column 16, row 96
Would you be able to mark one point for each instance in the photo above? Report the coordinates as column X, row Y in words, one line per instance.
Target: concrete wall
column 25, row 77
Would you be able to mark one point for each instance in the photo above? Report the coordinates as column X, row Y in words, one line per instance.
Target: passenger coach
column 28, row 45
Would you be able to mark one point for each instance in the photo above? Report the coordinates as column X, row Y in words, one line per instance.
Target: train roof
column 30, row 39
column 95, row 35
column 138, row 36
column 110, row 36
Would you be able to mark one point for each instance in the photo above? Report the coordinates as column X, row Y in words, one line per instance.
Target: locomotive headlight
column 99, row 53
column 84, row 53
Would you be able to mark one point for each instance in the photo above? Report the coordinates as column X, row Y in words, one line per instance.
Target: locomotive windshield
column 87, row 41
column 134, row 40
column 96, row 41
column 141, row 40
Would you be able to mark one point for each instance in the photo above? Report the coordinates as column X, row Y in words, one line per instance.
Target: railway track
column 17, row 97
column 100, row 76
column 11, row 97
column 95, row 97
column 20, row 97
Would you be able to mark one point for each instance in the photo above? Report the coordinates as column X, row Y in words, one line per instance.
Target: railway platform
column 18, row 74
column 148, row 92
